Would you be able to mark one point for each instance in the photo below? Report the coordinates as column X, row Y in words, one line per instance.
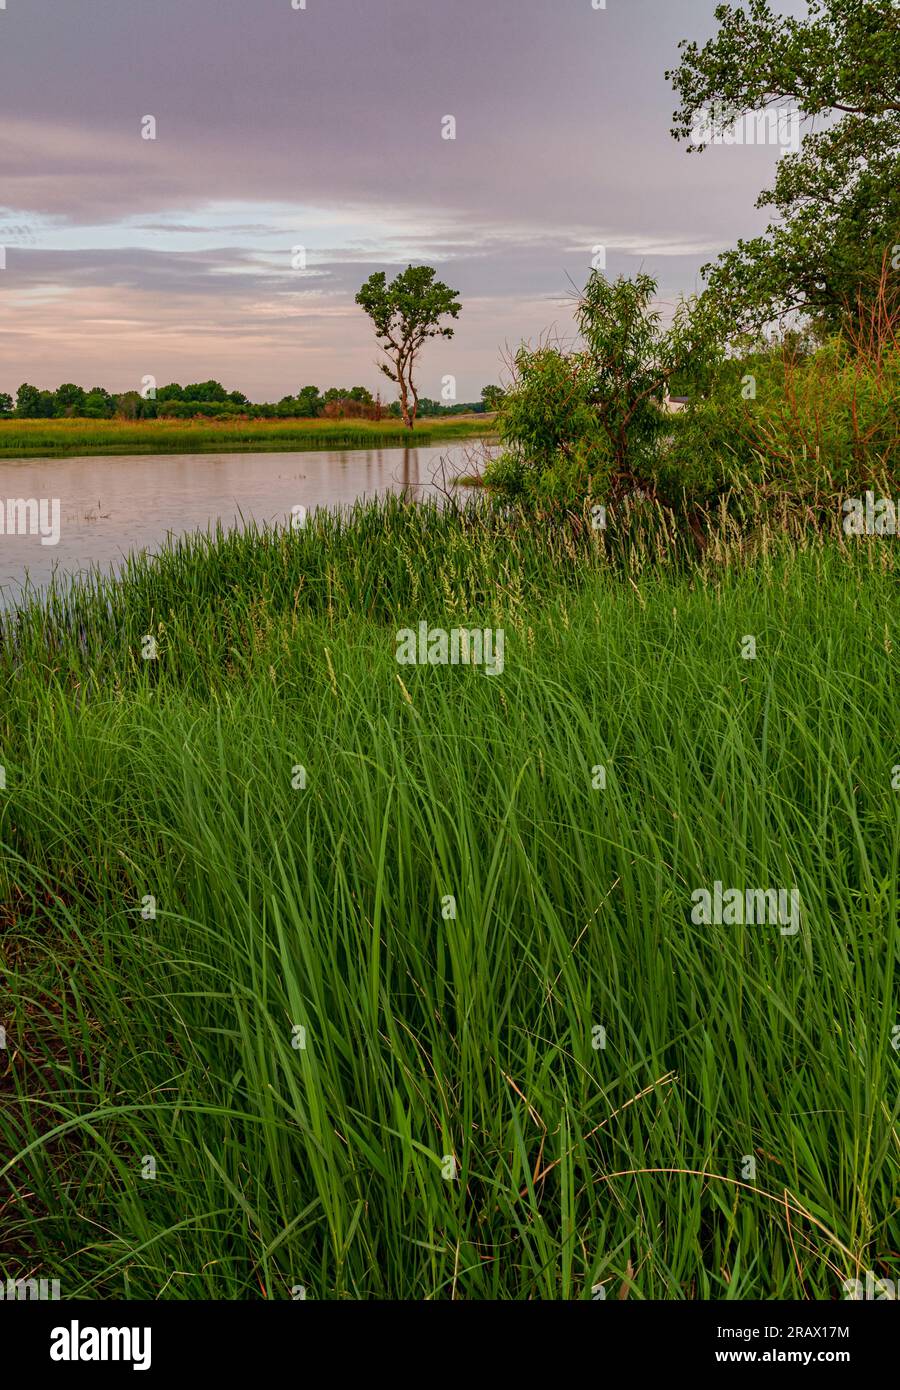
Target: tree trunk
column 404, row 398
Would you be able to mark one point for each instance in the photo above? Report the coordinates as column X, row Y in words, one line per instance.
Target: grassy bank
column 42, row 438
column 437, row 1043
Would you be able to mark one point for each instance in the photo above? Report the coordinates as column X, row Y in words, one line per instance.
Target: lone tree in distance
column 405, row 313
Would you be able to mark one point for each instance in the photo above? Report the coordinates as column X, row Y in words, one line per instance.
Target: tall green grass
column 437, row 1043
column 42, row 438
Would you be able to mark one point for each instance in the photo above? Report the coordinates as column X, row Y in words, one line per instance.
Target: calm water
column 110, row 506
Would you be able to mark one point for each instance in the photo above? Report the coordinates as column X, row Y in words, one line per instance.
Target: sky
column 322, row 128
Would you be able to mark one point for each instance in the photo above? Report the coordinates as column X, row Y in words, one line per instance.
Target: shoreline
column 39, row 439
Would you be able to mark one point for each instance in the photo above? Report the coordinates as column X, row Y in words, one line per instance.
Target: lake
column 109, row 506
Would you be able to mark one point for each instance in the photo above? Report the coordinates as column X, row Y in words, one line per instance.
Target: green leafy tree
column 309, row 401
column 632, row 359
column 546, row 411
column 492, row 397
column 406, row 313
column 206, row 391
column 6, row 403
column 341, row 393
column 70, row 399
column 27, row 401
column 130, row 405
column 553, row 451
column 837, row 201
column 172, row 392
column 99, row 404
column 588, row 422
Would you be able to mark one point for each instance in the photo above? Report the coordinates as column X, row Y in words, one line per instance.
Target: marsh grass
column 470, row 1037
column 43, row 438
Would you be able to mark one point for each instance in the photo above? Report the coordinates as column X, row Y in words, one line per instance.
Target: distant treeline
column 210, row 399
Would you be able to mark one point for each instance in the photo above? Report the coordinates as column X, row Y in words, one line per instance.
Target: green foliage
column 793, row 419
column 405, row 314
column 207, row 391
column 810, row 428
column 546, row 409
column 70, row 399
column 207, row 399
column 132, row 405
column 309, row 401
column 589, row 423
column 837, row 201
column 190, row 427
column 427, row 406
column 548, row 431
column 320, row 907
column 360, row 394
column 26, row 400
column 98, row 404
column 32, row 404
column 630, row 360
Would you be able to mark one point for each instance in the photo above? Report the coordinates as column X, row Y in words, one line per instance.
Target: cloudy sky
column 322, row 128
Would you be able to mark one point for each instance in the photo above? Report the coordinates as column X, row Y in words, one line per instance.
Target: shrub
column 552, row 445
column 809, row 427
column 590, row 423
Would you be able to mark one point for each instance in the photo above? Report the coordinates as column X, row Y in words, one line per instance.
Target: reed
column 451, row 1126
column 41, row 438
